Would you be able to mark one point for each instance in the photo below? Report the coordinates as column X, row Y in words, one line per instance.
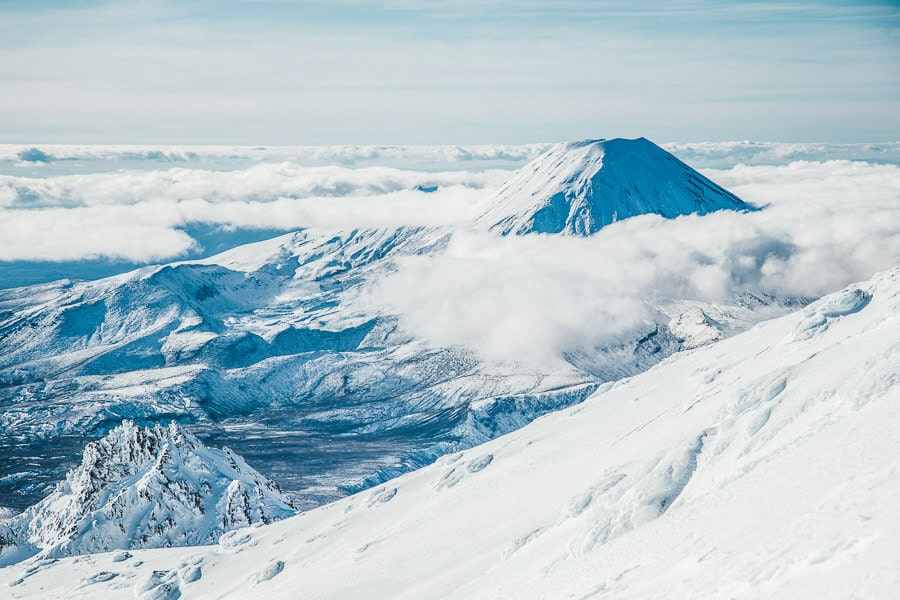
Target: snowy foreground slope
column 763, row 466
column 144, row 488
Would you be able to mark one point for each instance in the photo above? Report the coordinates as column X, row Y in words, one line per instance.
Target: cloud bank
column 824, row 226
column 451, row 157
column 137, row 215
column 728, row 154
column 446, row 156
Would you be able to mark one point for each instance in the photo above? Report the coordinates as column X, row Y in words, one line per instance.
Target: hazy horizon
column 275, row 72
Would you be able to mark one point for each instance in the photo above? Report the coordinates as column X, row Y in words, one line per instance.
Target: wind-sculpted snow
column 817, row 315
column 761, row 466
column 144, row 488
column 581, row 187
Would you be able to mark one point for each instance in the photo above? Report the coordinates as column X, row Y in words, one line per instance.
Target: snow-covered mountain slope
column 280, row 342
column 270, row 341
column 144, row 488
column 577, row 188
column 275, row 342
column 764, row 465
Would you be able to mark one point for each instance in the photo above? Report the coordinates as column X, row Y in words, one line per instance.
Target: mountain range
column 273, row 350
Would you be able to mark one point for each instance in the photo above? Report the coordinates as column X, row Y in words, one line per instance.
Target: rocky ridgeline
column 144, row 488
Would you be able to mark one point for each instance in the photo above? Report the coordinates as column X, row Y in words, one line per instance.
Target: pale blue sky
column 446, row 71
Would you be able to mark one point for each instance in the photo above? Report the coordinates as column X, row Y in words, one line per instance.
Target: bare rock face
column 144, row 488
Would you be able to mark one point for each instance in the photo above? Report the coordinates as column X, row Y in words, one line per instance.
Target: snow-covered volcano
column 276, row 341
column 577, row 188
column 144, row 488
column 763, row 466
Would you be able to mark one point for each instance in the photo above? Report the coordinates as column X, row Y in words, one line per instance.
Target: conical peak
column 579, row 187
column 639, row 144
column 602, row 142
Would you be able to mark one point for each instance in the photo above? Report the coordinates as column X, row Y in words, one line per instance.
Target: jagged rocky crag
column 144, row 488
column 271, row 345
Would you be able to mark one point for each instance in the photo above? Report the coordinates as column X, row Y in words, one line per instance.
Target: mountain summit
column 578, row 188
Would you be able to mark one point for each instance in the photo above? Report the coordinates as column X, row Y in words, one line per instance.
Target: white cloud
column 262, row 183
column 148, row 231
column 432, row 156
column 135, row 233
column 729, row 154
column 825, row 225
column 99, row 157
column 136, row 214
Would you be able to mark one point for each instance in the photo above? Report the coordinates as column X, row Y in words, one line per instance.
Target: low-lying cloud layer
column 697, row 154
column 729, row 154
column 263, row 182
column 137, row 215
column 824, row 226
column 435, row 156
column 76, row 202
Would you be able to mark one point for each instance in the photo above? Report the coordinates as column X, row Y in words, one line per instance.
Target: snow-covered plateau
column 764, row 465
column 607, row 376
